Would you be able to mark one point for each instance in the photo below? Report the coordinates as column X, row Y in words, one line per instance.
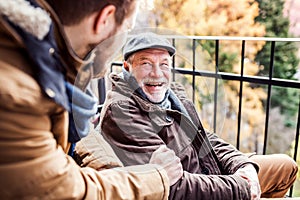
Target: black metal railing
column 216, row 74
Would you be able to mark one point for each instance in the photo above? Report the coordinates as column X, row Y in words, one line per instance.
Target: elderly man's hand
column 249, row 173
column 167, row 159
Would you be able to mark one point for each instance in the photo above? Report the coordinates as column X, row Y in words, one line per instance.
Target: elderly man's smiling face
column 152, row 69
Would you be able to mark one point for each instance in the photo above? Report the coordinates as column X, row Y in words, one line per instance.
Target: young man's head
column 148, row 57
column 89, row 22
column 73, row 12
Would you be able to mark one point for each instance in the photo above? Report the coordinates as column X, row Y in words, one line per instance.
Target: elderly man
column 46, row 52
column 144, row 110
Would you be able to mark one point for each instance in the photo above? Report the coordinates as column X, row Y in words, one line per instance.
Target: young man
column 44, row 44
column 144, row 110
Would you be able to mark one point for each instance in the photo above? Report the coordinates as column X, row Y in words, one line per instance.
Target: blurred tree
column 285, row 60
column 213, row 18
column 209, row 17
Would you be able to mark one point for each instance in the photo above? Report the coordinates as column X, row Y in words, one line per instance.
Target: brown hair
column 72, row 12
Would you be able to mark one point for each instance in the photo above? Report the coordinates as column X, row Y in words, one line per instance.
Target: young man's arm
column 34, row 166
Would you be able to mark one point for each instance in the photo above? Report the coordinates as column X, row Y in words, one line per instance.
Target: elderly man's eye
column 147, row 64
column 164, row 66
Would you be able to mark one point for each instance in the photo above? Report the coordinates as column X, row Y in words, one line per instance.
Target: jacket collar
column 33, row 20
column 73, row 63
column 125, row 88
column 63, row 63
column 49, row 65
column 40, row 19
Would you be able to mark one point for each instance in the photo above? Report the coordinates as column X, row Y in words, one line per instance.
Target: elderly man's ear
column 126, row 65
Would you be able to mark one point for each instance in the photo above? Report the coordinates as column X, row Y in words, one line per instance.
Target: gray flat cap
column 146, row 41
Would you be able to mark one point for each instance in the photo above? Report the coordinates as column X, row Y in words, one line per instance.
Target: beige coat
column 33, row 132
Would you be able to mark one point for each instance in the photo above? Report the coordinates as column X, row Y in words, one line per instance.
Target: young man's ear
column 105, row 21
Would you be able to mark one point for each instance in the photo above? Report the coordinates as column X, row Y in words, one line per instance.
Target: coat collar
column 73, row 62
column 33, row 20
column 62, row 62
column 40, row 19
column 124, row 88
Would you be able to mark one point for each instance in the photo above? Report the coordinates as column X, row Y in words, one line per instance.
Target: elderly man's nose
column 156, row 71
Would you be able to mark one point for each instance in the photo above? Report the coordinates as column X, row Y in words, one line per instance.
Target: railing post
column 240, row 96
column 173, row 64
column 296, row 144
column 216, row 84
column 269, row 96
column 194, row 63
column 101, row 90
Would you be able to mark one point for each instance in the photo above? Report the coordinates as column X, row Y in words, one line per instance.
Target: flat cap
column 147, row 40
